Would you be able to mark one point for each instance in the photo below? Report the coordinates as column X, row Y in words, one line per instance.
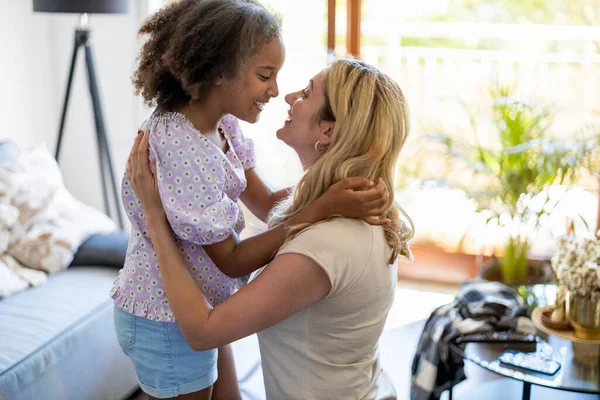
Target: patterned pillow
column 52, row 223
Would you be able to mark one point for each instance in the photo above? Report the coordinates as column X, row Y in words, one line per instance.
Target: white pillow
column 52, row 224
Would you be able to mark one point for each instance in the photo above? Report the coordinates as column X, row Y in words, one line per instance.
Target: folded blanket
column 479, row 307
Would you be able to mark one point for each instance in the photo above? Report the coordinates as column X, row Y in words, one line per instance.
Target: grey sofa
column 57, row 340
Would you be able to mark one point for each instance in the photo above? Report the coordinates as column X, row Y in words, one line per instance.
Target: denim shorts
column 165, row 364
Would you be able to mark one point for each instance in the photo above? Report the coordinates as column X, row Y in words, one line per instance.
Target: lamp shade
column 82, row 6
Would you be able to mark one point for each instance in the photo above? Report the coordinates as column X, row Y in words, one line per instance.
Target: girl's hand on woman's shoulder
column 357, row 197
column 141, row 174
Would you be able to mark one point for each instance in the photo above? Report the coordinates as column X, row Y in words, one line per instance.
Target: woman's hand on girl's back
column 141, row 173
column 358, row 197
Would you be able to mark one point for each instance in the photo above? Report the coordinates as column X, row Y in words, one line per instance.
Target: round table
column 572, row 376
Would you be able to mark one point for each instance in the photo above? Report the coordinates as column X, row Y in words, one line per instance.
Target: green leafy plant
column 510, row 176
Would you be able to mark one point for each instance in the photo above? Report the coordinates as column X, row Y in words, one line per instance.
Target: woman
column 320, row 306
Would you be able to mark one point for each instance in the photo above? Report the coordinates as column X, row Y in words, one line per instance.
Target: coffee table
column 572, row 376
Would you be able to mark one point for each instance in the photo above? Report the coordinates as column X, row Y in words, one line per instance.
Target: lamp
column 82, row 35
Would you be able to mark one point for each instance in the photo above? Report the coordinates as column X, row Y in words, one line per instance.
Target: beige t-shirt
column 329, row 350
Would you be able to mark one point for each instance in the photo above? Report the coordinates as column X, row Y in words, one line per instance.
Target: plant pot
column 540, row 272
column 584, row 315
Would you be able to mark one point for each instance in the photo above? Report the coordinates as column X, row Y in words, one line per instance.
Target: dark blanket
column 480, row 306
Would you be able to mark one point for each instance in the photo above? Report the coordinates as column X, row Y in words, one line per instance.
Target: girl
column 320, row 306
column 206, row 64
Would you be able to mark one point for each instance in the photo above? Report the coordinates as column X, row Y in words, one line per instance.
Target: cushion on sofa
column 52, row 223
column 107, row 249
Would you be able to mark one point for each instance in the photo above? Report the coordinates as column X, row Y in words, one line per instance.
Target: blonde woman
column 320, row 306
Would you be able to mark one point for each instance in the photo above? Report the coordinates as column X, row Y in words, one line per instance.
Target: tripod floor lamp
column 82, row 36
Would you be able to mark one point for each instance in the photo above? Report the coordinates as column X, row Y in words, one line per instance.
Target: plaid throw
column 480, row 306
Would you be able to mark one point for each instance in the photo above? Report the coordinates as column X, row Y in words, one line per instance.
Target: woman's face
column 302, row 128
column 245, row 95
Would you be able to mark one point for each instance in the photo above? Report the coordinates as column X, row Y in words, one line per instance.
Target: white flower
column 576, row 265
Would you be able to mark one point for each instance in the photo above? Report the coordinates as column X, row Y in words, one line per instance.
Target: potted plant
column 509, row 177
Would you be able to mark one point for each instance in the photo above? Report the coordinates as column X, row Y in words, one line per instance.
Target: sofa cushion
column 107, row 249
column 52, row 223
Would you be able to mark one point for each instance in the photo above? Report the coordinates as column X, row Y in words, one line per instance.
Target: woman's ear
column 326, row 132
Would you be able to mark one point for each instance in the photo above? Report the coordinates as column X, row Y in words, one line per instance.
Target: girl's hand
column 358, row 198
column 142, row 177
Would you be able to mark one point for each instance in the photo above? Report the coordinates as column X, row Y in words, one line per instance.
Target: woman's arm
column 288, row 284
column 259, row 197
column 238, row 258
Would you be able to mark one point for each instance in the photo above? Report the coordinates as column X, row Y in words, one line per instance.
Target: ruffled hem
column 141, row 308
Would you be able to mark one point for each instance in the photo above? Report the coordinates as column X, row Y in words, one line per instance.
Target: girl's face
column 302, row 128
column 245, row 95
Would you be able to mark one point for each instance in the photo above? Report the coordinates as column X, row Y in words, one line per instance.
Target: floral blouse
column 199, row 186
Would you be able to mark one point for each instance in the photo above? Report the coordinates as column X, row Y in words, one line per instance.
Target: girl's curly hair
column 191, row 43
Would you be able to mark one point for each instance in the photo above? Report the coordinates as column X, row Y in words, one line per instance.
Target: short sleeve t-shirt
column 329, row 350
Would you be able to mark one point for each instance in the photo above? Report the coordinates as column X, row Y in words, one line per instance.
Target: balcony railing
column 435, row 77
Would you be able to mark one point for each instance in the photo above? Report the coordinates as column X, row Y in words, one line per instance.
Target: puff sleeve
column 196, row 206
column 242, row 146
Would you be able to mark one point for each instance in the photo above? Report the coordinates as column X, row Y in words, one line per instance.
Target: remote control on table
column 530, row 361
column 497, row 337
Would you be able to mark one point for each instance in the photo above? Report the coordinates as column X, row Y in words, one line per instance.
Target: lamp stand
column 82, row 35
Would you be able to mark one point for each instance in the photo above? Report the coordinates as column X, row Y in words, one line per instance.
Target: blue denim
column 165, row 364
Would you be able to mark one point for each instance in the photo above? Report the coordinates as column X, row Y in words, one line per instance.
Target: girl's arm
column 288, row 284
column 237, row 258
column 259, row 197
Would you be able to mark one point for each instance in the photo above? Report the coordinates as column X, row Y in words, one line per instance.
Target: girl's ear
column 219, row 81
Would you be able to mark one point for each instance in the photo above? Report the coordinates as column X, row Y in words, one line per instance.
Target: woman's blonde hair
column 371, row 125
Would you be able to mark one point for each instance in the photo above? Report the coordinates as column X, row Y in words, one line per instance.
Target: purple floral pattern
column 199, row 188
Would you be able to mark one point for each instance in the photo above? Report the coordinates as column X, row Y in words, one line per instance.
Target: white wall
column 35, row 53
column 27, row 85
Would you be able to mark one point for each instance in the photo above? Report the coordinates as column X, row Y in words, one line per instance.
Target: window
column 447, row 54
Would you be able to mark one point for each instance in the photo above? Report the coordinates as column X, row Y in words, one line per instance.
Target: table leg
column 526, row 391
